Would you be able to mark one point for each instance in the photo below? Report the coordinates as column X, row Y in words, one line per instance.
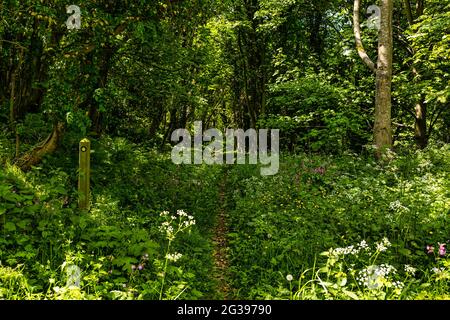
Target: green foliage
column 43, row 231
column 311, row 115
column 138, row 70
column 356, row 273
column 129, row 247
column 280, row 225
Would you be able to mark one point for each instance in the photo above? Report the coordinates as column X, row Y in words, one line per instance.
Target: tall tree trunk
column 249, row 72
column 420, row 111
column 157, row 118
column 12, row 98
column 383, row 96
column 94, row 113
column 315, row 37
column 408, row 11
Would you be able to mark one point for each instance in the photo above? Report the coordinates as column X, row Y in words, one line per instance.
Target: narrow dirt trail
column 221, row 263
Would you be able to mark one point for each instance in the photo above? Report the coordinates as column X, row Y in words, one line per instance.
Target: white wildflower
column 175, row 223
column 350, row 250
column 398, row 206
column 369, row 277
column 174, row 256
column 289, row 277
column 363, row 245
column 398, row 285
column 437, row 270
column 409, row 269
column 374, row 277
column 383, row 245
column 181, row 213
column 186, row 224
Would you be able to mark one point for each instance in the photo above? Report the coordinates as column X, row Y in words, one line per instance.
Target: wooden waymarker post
column 84, row 174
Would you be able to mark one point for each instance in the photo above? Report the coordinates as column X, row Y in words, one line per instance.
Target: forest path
column 220, row 254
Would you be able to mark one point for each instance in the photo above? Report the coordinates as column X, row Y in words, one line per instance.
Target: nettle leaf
column 12, row 197
column 125, row 262
column 24, row 224
column 9, row 226
column 5, row 189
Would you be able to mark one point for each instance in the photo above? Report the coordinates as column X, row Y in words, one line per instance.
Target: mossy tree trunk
column 48, row 146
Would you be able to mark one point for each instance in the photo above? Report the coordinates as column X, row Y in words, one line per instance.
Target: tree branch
column 359, row 45
column 433, row 122
column 14, row 43
column 408, row 11
column 420, row 7
column 401, row 125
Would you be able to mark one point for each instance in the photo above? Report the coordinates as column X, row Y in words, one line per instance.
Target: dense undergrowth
column 325, row 227
column 121, row 245
column 329, row 227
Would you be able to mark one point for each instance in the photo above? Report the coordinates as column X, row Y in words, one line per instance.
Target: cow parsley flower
column 437, row 271
column 174, row 256
column 181, row 213
column 374, row 277
column 175, row 223
column 383, row 245
column 350, row 250
column 363, row 245
column 398, row 285
column 410, row 270
column 398, row 206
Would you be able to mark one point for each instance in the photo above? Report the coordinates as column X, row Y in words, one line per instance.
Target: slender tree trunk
column 12, row 105
column 383, row 96
column 408, row 11
column 420, row 111
column 94, row 113
column 156, row 119
column 420, row 6
column 171, row 126
column 446, row 129
column 420, row 127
